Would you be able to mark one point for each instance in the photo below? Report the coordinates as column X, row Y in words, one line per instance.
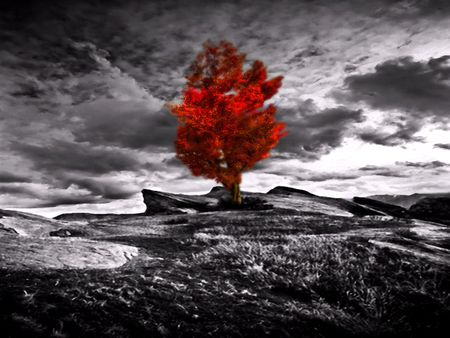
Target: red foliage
column 224, row 126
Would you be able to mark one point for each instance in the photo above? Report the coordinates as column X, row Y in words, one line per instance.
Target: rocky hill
column 279, row 198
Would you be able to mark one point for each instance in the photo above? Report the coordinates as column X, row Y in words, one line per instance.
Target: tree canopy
column 225, row 128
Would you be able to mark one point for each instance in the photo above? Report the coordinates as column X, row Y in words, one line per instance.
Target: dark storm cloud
column 405, row 133
column 313, row 132
column 310, row 51
column 154, row 41
column 7, row 177
column 389, row 173
column 39, row 196
column 109, row 189
column 414, row 90
column 17, row 190
column 301, row 174
column 54, row 201
column 47, row 41
column 401, row 169
column 28, row 89
column 418, row 88
column 442, row 145
column 381, row 171
column 63, row 155
column 321, row 177
column 424, row 165
column 68, row 190
column 124, row 124
column 432, row 6
column 371, row 168
column 174, row 162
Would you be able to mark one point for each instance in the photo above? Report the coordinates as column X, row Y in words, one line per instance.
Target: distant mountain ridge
column 390, row 209
column 434, row 209
column 405, row 201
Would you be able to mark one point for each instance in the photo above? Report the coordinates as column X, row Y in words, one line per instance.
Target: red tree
column 224, row 126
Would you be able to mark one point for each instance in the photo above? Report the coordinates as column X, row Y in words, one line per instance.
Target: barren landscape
column 285, row 264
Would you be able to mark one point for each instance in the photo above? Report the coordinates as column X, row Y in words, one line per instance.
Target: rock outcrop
column 339, row 203
column 158, row 202
column 57, row 253
column 32, row 241
column 277, row 198
column 5, row 230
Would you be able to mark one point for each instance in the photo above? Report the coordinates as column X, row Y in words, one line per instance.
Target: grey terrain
column 286, row 263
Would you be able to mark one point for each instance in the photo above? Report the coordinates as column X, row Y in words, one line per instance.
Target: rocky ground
column 33, row 242
column 287, row 264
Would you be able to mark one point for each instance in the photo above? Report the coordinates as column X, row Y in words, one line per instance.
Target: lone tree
column 224, row 126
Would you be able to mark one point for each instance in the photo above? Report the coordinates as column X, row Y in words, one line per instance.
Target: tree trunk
column 236, row 195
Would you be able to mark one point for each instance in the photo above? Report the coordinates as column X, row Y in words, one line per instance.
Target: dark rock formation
column 249, row 200
column 66, row 233
column 7, row 230
column 218, row 198
column 218, row 192
column 435, row 209
column 343, row 204
column 158, row 202
column 389, row 209
column 281, row 190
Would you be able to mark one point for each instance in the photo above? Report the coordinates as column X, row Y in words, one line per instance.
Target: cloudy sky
column 365, row 97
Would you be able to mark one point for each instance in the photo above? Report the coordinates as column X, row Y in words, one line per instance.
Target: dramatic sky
column 365, row 96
